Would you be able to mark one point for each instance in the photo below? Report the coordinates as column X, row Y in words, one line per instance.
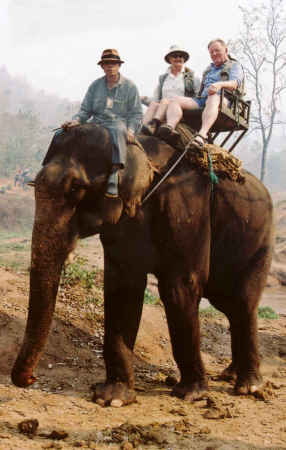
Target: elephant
column 199, row 240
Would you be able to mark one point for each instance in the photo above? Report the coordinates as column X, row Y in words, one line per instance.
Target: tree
column 261, row 49
column 23, row 142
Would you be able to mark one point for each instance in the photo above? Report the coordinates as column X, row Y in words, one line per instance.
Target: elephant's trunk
column 50, row 244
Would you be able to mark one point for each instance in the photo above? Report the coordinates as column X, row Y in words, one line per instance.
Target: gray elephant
column 197, row 243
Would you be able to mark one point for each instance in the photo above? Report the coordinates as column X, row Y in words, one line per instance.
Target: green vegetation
column 266, row 312
column 149, row 298
column 210, row 311
column 14, row 246
column 92, row 300
column 7, row 235
column 15, row 250
column 76, row 273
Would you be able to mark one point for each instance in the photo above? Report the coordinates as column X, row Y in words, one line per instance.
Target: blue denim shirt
column 106, row 106
column 213, row 76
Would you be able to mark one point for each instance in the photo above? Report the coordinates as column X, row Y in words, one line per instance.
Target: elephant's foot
column 229, row 373
column 23, row 378
column 248, row 385
column 116, row 395
column 190, row 391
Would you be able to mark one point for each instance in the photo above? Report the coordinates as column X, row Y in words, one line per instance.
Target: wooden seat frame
column 232, row 117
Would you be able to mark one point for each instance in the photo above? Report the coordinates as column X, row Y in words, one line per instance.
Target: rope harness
column 213, row 177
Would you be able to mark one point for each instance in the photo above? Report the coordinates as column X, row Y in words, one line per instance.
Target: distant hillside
column 27, row 119
column 16, row 95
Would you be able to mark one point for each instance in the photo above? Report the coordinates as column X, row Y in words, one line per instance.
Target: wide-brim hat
column 176, row 49
column 110, row 54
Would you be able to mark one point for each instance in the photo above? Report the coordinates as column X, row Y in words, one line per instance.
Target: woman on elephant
column 178, row 80
column 112, row 101
column 223, row 72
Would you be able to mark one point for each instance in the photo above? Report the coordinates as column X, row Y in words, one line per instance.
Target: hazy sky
column 56, row 44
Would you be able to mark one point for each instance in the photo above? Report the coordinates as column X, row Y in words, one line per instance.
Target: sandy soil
column 60, row 402
column 57, row 412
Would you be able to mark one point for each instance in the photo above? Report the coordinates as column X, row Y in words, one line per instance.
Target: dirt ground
column 60, row 401
column 59, row 409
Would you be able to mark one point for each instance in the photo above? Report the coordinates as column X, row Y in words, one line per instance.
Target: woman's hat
column 176, row 49
column 110, row 54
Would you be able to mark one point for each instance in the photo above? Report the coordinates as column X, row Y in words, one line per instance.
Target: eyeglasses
column 109, row 63
column 177, row 55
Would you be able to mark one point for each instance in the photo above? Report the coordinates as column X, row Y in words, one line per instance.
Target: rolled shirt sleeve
column 236, row 73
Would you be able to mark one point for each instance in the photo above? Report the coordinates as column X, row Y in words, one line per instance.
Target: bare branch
column 261, row 50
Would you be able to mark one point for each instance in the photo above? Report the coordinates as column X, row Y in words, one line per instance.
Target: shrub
column 76, row 273
column 265, row 312
column 149, row 298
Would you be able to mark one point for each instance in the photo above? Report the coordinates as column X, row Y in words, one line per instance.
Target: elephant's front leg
column 181, row 295
column 123, row 301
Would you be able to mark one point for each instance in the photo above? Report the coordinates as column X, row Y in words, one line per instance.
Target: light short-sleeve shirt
column 173, row 85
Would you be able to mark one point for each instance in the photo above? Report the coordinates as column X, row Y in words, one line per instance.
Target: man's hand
column 70, row 124
column 214, row 88
column 130, row 137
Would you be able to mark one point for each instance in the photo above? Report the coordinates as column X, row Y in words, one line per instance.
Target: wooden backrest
column 233, row 117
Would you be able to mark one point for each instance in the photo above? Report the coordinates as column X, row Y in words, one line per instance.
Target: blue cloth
column 118, row 135
column 108, row 106
column 201, row 101
column 213, row 76
column 118, row 110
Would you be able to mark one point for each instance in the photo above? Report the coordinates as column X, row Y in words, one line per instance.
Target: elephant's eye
column 75, row 192
column 76, row 185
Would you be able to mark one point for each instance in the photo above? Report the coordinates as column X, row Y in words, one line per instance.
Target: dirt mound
column 60, row 401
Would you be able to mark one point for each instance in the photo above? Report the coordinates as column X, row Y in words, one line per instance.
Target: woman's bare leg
column 176, row 107
column 161, row 110
column 151, row 111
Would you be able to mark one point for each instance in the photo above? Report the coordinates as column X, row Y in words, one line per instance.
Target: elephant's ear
column 135, row 178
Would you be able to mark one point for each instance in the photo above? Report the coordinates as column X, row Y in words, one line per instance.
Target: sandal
column 198, row 141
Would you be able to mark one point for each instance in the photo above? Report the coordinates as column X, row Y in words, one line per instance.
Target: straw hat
column 110, row 54
column 176, row 49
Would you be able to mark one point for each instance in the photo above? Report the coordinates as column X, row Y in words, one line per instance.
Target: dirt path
column 61, row 403
column 61, row 399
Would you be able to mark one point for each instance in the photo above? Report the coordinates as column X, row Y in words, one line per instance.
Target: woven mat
column 225, row 165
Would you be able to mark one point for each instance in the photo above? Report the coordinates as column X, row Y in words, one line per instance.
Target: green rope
column 213, row 177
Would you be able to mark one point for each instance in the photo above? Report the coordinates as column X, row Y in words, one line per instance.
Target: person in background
column 112, row 101
column 223, row 72
column 178, row 80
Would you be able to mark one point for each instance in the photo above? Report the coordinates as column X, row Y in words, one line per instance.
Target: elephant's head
column 69, row 190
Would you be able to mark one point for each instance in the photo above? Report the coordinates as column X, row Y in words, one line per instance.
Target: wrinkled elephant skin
column 196, row 243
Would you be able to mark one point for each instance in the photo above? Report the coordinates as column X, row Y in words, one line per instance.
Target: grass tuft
column 266, row 312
